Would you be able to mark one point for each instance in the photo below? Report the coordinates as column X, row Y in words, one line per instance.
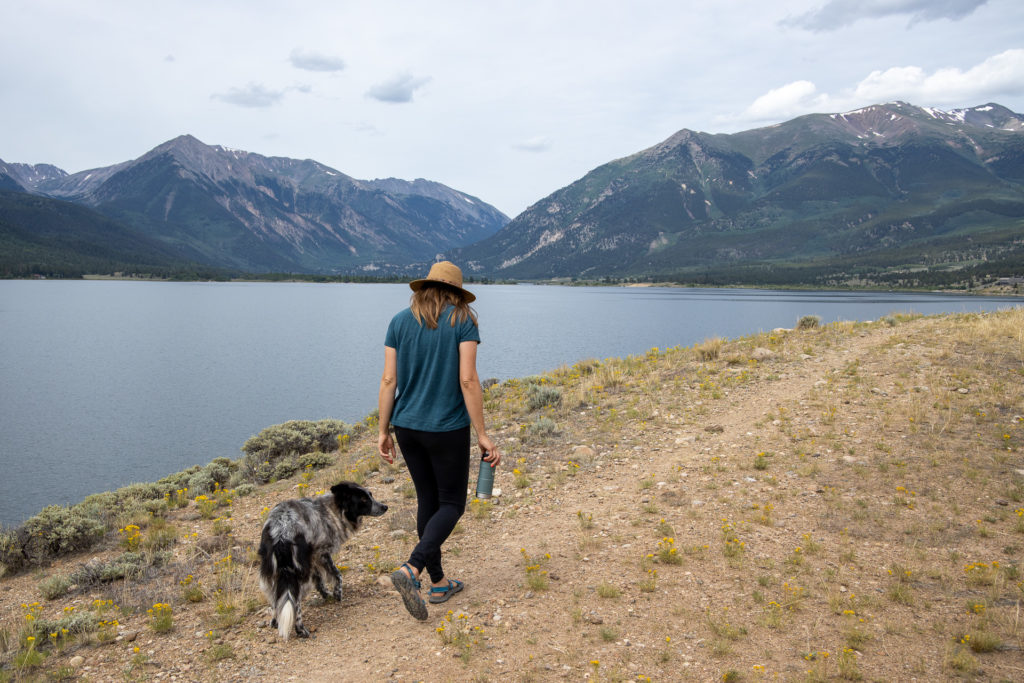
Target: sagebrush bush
column 285, row 468
column 543, row 426
column 265, row 452
column 57, row 530
column 540, row 395
column 808, row 322
column 316, row 460
column 129, row 564
column 244, row 489
column 55, row 586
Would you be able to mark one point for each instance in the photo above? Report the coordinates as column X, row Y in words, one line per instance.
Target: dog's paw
column 273, row 623
column 337, row 594
column 301, row 631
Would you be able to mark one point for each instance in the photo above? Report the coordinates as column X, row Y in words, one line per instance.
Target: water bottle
column 484, row 479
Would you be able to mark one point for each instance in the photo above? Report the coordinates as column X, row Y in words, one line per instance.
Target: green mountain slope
column 822, row 199
column 42, row 236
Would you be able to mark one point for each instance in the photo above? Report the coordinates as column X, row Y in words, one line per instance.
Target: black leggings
column 439, row 465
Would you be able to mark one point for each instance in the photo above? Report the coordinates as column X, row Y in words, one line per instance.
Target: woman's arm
column 386, row 403
column 473, row 394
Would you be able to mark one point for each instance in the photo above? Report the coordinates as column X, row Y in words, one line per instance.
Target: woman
column 431, row 393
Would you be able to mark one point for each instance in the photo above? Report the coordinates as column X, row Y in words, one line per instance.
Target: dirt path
column 527, row 630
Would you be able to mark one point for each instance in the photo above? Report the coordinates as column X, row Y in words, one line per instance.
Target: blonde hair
column 428, row 303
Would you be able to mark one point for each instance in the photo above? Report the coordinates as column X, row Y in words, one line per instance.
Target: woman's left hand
column 386, row 447
column 493, row 454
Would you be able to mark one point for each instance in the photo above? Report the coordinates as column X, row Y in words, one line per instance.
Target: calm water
column 109, row 383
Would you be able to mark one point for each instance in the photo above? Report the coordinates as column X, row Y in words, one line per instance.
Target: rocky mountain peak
column 32, row 175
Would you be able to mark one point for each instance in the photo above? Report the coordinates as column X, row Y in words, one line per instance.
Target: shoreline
column 993, row 291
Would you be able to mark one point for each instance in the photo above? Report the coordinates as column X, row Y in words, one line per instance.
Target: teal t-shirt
column 428, row 394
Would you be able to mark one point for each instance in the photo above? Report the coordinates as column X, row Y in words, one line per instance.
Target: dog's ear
column 351, row 499
column 342, row 490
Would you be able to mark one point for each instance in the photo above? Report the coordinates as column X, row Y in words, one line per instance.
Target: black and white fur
column 298, row 540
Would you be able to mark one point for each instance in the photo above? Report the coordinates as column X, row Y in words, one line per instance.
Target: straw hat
column 446, row 273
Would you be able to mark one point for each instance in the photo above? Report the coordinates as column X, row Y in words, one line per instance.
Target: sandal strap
column 452, row 585
column 412, row 576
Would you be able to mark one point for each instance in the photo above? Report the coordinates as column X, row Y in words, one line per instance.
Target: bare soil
column 838, row 503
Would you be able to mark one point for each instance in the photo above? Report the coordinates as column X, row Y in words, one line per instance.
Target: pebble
column 76, row 661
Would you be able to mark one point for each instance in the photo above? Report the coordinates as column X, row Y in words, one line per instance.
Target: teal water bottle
column 484, row 479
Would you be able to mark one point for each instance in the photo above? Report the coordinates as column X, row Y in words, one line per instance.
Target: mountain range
column 822, row 198
column 888, row 193
column 233, row 209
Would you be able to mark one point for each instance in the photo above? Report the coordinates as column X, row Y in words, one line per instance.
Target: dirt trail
column 528, row 630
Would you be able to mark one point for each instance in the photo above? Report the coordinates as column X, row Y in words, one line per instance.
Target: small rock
column 130, row 636
column 761, row 353
column 714, row 429
column 384, row 581
column 592, row 618
column 963, row 390
column 399, row 533
column 580, row 452
column 76, row 661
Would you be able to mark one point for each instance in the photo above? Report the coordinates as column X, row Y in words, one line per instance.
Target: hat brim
column 417, row 285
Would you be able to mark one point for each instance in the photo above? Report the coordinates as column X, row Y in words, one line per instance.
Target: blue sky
column 508, row 101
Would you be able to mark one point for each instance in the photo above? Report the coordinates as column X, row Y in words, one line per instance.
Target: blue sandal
column 442, row 593
column 408, row 586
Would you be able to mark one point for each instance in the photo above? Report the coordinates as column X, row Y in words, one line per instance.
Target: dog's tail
column 292, row 566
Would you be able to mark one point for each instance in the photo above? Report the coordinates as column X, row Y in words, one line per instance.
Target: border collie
column 298, row 540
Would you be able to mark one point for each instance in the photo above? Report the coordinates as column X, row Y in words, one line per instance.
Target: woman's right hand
column 488, row 446
column 386, row 447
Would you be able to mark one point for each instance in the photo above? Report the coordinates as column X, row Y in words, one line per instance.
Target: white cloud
column 253, row 95
column 258, row 96
column 996, row 77
column 836, row 14
column 397, row 90
column 534, row 144
column 1002, row 74
column 309, row 60
column 790, row 100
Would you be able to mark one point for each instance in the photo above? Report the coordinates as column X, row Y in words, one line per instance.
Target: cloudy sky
column 505, row 100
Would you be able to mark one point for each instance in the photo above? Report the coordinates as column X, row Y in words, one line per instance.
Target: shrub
column 59, row 529
column 264, row 451
column 808, row 322
column 244, row 489
column 541, row 395
column 54, row 586
column 316, row 460
column 201, row 482
column 543, row 426
column 286, row 468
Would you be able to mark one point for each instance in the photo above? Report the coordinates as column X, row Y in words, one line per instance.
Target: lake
column 107, row 383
